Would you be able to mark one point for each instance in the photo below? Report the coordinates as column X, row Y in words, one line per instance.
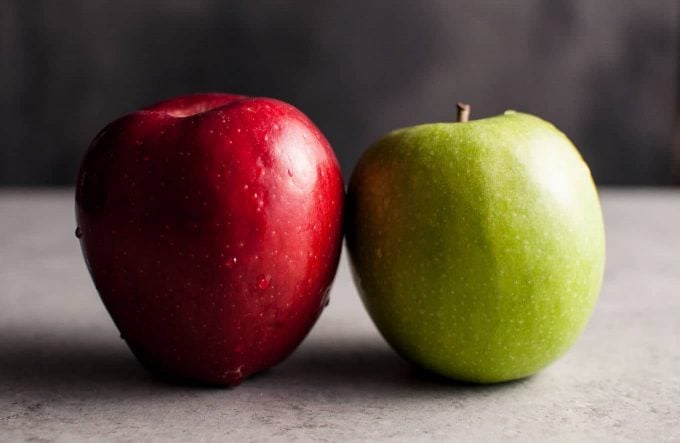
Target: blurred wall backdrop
column 605, row 71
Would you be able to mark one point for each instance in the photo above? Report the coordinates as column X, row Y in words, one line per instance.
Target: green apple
column 477, row 247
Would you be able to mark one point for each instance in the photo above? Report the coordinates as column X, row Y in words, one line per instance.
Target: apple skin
column 477, row 247
column 211, row 225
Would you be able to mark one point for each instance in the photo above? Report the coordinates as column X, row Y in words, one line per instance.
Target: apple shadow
column 354, row 368
column 69, row 365
column 100, row 369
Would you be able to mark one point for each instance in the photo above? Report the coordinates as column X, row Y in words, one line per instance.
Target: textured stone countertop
column 66, row 375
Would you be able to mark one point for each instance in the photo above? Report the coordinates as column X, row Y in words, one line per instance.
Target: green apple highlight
column 477, row 247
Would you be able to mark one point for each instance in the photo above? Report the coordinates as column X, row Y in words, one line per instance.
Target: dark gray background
column 605, row 71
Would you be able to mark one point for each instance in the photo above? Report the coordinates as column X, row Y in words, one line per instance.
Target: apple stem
column 463, row 112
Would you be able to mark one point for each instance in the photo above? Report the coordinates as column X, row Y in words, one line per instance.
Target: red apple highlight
column 211, row 225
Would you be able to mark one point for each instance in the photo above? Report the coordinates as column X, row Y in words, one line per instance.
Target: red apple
column 211, row 225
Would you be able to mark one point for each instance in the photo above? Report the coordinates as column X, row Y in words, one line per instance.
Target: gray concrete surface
column 66, row 376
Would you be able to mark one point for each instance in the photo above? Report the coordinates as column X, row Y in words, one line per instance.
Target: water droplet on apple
column 325, row 297
column 79, row 232
column 230, row 262
column 263, row 281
